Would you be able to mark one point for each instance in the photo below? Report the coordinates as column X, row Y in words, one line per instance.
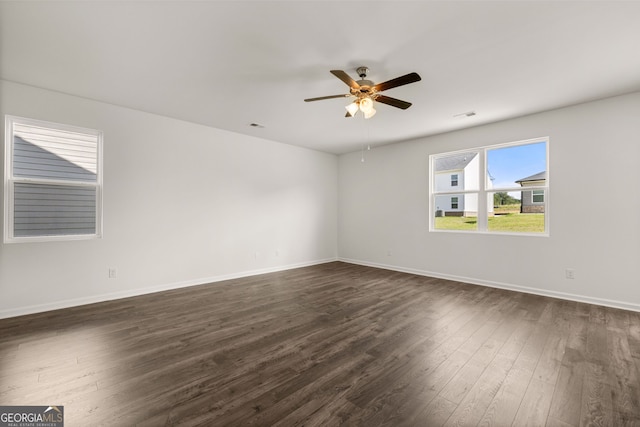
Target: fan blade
column 393, row 102
column 327, row 97
column 398, row 81
column 345, row 78
column 348, row 114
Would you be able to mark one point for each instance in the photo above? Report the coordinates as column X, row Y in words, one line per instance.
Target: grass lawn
column 512, row 222
column 503, row 209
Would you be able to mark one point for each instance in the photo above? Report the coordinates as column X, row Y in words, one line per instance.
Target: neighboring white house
column 458, row 172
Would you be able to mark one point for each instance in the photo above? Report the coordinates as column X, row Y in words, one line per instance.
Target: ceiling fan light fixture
column 370, row 113
column 352, row 108
column 366, row 104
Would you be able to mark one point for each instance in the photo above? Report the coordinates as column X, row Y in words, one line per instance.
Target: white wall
column 594, row 158
column 183, row 204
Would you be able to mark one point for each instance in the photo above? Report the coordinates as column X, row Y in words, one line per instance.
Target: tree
column 503, row 198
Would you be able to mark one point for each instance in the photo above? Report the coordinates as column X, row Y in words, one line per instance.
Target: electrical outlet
column 113, row 273
column 569, row 273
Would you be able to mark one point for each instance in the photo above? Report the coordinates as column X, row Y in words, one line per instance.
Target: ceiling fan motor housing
column 365, row 87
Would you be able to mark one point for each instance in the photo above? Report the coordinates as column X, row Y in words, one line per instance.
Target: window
column 53, row 181
column 537, row 196
column 499, row 189
column 454, row 203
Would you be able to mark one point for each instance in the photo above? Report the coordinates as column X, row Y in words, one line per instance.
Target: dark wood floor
column 334, row 344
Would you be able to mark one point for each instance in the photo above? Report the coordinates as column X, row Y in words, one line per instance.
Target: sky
column 509, row 164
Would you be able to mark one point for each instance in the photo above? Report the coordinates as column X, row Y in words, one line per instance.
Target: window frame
column 10, row 180
column 454, row 182
column 486, row 190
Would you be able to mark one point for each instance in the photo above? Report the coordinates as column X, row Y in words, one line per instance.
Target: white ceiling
column 230, row 64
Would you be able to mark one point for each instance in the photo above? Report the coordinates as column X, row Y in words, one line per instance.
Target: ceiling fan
column 366, row 92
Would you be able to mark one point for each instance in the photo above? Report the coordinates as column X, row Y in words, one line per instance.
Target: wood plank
column 524, row 349
column 623, row 377
column 436, row 413
column 596, row 397
column 502, row 410
column 472, row 408
column 567, row 396
column 534, row 408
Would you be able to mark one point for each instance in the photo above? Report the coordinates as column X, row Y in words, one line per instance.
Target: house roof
column 540, row 176
column 458, row 161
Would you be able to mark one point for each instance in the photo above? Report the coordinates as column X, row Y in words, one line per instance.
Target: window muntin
column 53, row 181
column 498, row 178
column 454, row 180
column 454, row 203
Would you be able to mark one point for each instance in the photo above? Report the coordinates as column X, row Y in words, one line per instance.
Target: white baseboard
column 507, row 286
column 39, row 308
column 20, row 311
